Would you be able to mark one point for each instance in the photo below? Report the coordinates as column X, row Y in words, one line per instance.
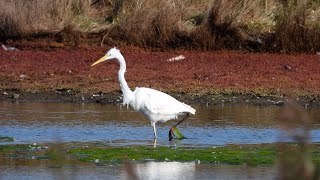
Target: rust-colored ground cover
column 200, row 72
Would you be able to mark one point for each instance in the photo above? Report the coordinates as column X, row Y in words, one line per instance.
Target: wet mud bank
column 69, row 96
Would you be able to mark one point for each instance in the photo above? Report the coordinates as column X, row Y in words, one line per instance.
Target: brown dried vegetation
column 263, row 25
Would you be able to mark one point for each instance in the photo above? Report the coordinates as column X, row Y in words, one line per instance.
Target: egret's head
column 111, row 54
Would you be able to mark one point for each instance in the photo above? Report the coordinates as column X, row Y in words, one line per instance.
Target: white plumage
column 155, row 105
column 158, row 106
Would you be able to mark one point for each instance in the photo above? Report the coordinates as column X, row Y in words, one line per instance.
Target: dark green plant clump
column 6, row 139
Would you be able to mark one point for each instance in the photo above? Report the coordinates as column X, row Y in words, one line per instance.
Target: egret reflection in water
column 167, row 170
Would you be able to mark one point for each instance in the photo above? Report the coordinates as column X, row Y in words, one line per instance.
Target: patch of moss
column 27, row 151
column 19, row 147
column 232, row 154
column 225, row 155
column 48, row 155
column 7, row 147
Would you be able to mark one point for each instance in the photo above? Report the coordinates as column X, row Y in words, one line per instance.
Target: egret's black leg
column 171, row 134
column 184, row 118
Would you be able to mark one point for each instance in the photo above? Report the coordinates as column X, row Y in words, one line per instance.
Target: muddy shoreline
column 69, row 96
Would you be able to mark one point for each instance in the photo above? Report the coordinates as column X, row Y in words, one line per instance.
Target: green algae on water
column 25, row 151
column 265, row 154
column 218, row 155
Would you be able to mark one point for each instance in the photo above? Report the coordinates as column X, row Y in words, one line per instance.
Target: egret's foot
column 175, row 142
column 155, row 142
column 174, row 133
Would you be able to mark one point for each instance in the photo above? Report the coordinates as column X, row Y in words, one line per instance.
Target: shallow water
column 117, row 125
column 148, row 170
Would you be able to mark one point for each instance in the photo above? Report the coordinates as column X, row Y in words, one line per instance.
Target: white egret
column 155, row 105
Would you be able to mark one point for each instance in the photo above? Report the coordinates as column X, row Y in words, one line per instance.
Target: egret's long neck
column 127, row 93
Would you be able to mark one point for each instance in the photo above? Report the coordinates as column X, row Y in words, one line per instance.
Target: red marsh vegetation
column 58, row 40
column 203, row 72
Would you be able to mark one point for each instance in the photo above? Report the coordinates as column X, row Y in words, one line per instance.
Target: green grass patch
column 8, row 148
column 24, row 151
column 19, row 147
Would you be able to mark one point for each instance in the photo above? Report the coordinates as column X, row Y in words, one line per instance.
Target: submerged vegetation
column 257, row 25
column 219, row 155
column 265, row 154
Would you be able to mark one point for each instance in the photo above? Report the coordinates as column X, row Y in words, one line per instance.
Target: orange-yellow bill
column 100, row 60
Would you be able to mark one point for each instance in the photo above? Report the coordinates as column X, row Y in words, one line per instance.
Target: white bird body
column 155, row 105
column 158, row 106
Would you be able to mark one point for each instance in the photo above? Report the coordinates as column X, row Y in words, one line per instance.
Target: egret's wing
column 160, row 103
